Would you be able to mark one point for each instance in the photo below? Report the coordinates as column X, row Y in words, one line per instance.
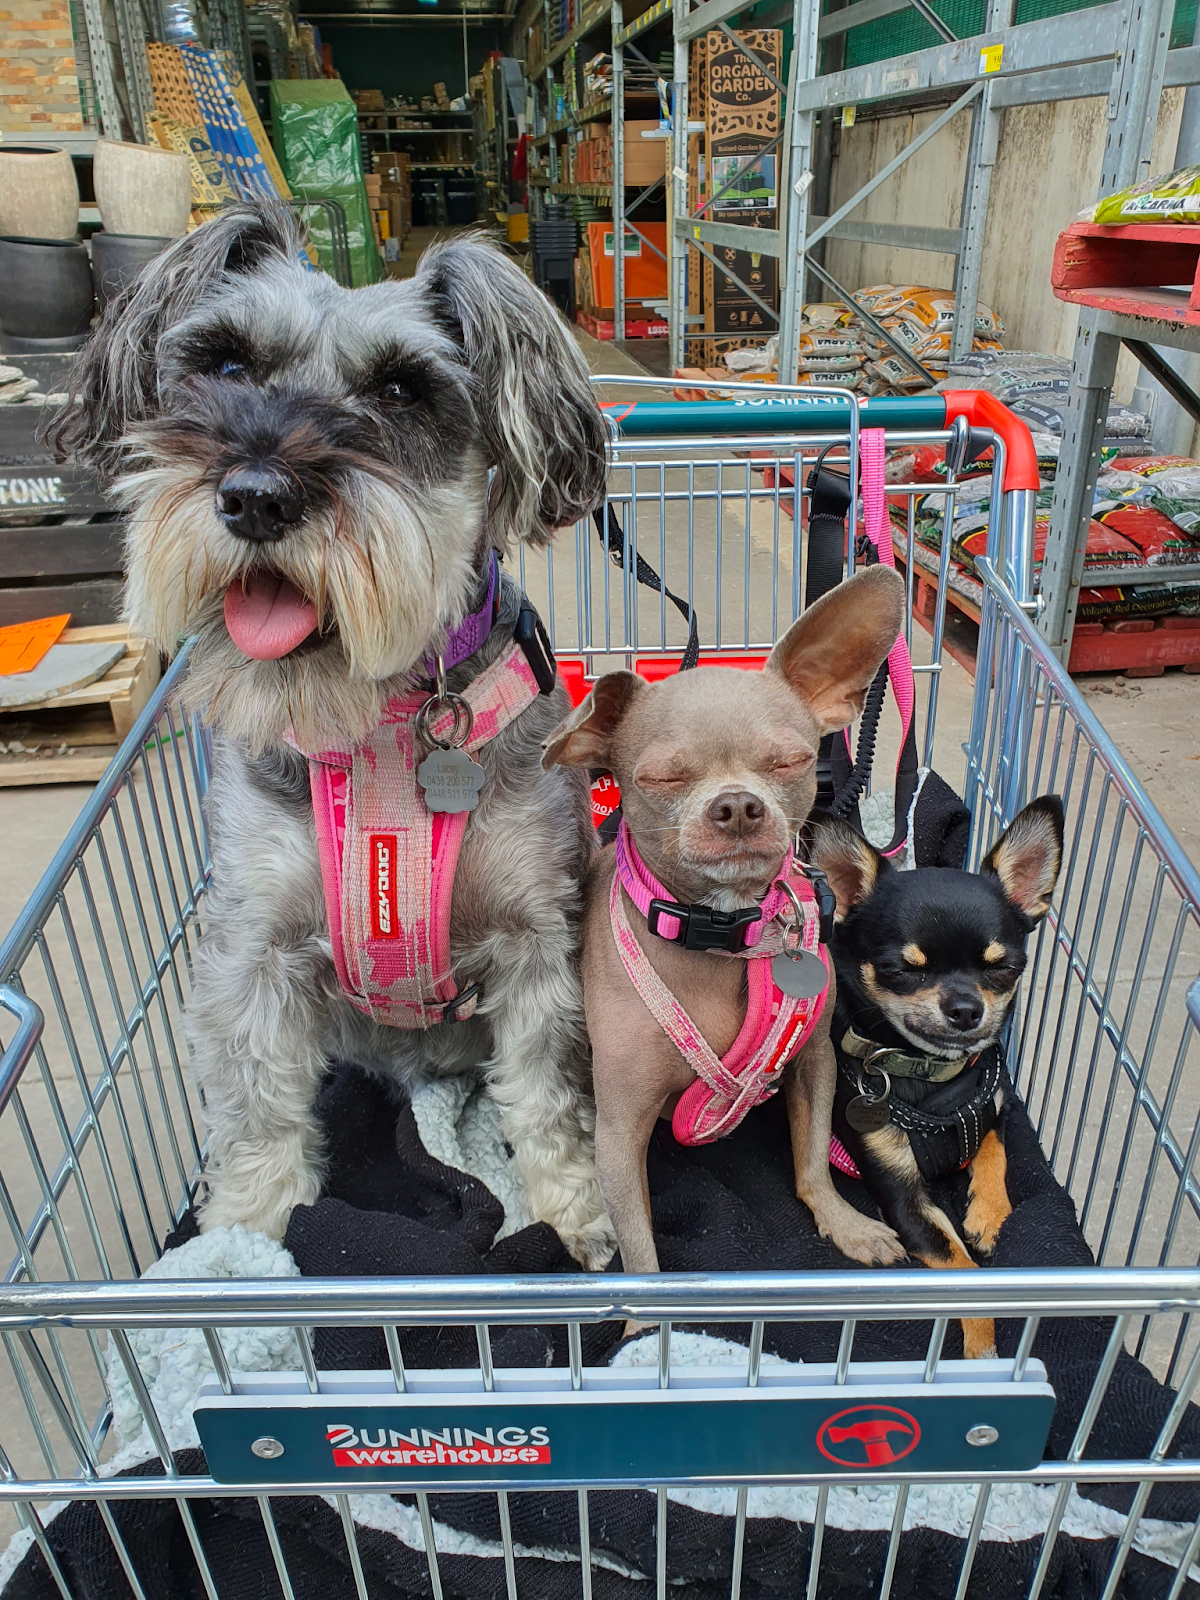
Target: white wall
column 1047, row 172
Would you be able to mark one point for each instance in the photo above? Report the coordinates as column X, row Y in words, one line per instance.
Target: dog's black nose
column 259, row 503
column 737, row 811
column 963, row 1011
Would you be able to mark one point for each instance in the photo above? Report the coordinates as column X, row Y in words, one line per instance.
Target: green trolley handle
column 830, row 413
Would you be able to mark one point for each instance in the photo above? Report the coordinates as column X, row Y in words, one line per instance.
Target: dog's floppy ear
column 1027, row 857
column 830, row 654
column 583, row 738
column 852, row 866
column 114, row 382
column 541, row 423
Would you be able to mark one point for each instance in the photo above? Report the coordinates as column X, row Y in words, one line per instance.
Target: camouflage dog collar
column 898, row 1064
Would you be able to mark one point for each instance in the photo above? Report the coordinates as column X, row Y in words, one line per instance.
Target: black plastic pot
column 118, row 258
column 47, row 288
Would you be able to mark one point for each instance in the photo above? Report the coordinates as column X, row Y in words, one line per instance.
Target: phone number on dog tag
column 451, row 780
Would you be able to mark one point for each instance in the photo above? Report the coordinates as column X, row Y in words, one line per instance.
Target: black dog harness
column 945, row 1107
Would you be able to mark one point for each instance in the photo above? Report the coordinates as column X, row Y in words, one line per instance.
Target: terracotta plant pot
column 142, row 189
column 39, row 197
column 47, row 288
column 118, row 258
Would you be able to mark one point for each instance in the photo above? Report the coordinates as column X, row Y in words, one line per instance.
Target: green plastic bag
column 1171, row 197
column 314, row 128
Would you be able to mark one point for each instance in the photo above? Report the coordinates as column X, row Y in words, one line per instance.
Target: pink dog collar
column 695, row 927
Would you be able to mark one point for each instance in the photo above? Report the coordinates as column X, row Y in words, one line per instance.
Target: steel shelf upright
column 1050, row 59
column 623, row 35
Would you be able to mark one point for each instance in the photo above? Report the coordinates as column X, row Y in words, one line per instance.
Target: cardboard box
column 643, row 157
column 742, row 115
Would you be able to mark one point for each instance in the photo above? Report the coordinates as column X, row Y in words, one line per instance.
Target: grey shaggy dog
column 369, row 448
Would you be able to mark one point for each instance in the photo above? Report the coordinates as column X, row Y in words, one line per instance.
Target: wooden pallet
column 1127, row 269
column 72, row 738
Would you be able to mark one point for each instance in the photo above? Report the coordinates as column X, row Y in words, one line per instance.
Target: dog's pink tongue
column 267, row 617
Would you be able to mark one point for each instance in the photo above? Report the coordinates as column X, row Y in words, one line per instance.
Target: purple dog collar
column 471, row 633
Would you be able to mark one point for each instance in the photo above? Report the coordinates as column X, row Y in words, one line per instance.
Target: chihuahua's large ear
column 852, row 866
column 540, row 418
column 583, row 738
column 830, row 654
column 1027, row 857
column 114, row 382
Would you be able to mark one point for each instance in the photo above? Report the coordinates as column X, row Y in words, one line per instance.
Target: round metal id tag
column 451, row 780
column 799, row 973
column 868, row 1116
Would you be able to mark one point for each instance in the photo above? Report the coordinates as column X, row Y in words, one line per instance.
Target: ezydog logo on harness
column 438, row 1447
column 384, row 922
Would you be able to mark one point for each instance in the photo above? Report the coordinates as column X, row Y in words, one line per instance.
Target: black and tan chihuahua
column 928, row 964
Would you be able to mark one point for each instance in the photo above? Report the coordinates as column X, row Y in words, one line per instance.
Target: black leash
column 614, row 542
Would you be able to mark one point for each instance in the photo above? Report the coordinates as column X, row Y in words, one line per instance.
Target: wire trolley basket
column 887, row 1473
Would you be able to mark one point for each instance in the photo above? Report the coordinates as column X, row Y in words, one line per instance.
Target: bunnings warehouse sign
column 621, row 1428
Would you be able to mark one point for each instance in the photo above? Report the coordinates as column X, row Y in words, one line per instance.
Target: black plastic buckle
column 450, row 1009
column 702, row 928
column 826, row 900
column 535, row 645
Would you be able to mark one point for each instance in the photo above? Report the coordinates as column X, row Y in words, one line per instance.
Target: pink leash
column 775, row 1025
column 871, row 456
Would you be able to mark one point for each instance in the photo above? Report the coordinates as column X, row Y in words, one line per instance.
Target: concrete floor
column 1155, row 724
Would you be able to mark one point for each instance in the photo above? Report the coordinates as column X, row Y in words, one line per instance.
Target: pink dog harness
column 388, row 858
column 388, row 861
column 776, row 1025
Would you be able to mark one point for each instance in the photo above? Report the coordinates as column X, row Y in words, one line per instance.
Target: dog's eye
column 399, row 392
column 231, row 367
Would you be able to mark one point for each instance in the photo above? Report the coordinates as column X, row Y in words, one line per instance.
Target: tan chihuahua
column 718, row 770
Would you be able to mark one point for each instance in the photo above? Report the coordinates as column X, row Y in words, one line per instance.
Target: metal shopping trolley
column 104, row 1149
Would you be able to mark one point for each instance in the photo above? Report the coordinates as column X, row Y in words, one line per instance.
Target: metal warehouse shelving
column 1119, row 49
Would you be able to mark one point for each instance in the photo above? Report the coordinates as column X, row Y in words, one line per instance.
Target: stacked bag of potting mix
column 1035, row 386
column 839, row 350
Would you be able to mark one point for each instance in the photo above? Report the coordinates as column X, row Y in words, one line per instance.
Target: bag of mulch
column 819, row 346
column 1043, row 410
column 895, row 374
column 851, row 362
column 1185, row 514
column 927, row 462
column 825, row 314
column 1162, row 544
column 1170, row 197
column 855, row 379
column 1105, row 546
column 1146, row 600
column 1146, row 466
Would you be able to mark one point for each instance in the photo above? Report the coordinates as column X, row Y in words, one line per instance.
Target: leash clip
column 450, row 1009
column 826, row 900
column 702, row 928
column 441, row 698
column 530, row 634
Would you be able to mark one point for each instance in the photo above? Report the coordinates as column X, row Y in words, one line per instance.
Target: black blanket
column 391, row 1209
